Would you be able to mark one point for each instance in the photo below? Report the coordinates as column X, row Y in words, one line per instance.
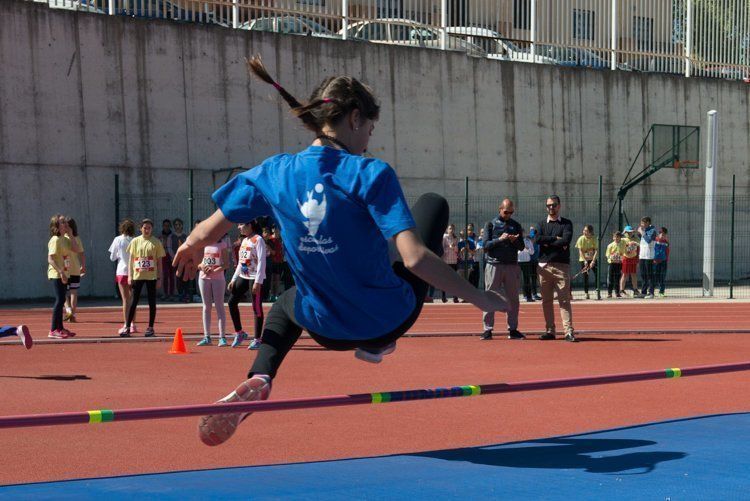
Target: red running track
column 69, row 376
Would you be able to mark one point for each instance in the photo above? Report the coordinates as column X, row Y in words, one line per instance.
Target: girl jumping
column 336, row 210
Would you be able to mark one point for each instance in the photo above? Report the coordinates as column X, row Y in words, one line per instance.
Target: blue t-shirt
column 335, row 212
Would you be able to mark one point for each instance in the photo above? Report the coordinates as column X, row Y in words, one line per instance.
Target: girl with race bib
column 249, row 275
column 337, row 211
column 145, row 252
column 211, row 283
column 77, row 270
column 118, row 252
column 59, row 252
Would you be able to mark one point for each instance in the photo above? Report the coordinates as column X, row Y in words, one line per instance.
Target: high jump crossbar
column 105, row 415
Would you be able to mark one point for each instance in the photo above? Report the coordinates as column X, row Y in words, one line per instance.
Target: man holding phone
column 503, row 240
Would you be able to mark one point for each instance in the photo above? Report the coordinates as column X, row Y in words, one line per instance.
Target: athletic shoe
column 618, row 295
column 69, row 333
column 455, row 299
column 547, row 336
column 537, row 297
column 486, row 335
column 587, row 296
column 23, row 332
column 125, row 332
column 206, row 341
column 216, row 429
column 222, row 342
column 374, row 356
column 149, row 332
column 662, row 295
column 57, row 334
column 609, row 295
column 254, row 344
column 134, row 329
column 529, row 299
column 238, row 338
column 571, row 337
column 122, row 329
column 515, row 334
column 67, row 314
column 648, row 296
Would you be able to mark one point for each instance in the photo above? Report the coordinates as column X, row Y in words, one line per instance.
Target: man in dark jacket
column 503, row 240
column 554, row 236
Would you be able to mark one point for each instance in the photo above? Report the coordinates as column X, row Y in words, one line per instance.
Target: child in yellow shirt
column 145, row 252
column 588, row 250
column 614, row 253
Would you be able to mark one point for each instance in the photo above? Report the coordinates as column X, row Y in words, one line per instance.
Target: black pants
column 239, row 290
column 613, row 278
column 281, row 329
column 151, row 292
column 660, row 275
column 647, row 275
column 592, row 271
column 528, row 274
column 57, row 310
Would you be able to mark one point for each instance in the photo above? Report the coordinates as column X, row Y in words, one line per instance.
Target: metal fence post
column 466, row 225
column 235, row 14
column 111, row 9
column 709, row 223
column 731, row 240
column 688, row 37
column 345, row 14
column 444, row 23
column 533, row 31
column 613, row 38
column 600, row 253
column 190, row 198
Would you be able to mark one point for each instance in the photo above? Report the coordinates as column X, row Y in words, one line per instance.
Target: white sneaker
column 374, row 356
column 23, row 332
column 648, row 296
column 218, row 428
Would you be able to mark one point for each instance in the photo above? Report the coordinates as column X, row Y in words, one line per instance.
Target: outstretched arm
column 190, row 254
column 429, row 267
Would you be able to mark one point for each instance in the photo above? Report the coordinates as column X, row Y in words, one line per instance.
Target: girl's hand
column 64, row 278
column 187, row 261
column 256, row 288
column 230, row 286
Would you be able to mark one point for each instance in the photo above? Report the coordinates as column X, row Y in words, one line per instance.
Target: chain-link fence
column 682, row 216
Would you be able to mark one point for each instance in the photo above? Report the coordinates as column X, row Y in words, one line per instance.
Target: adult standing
column 646, row 255
column 555, row 235
column 504, row 238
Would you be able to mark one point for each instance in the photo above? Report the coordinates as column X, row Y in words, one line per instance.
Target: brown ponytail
column 329, row 103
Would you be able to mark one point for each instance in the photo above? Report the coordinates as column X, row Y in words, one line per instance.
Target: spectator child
column 588, row 250
column 211, row 283
column 145, row 252
column 535, row 262
column 77, row 270
column 118, row 252
column 630, row 261
column 661, row 257
column 466, row 250
column 248, row 276
column 450, row 252
column 614, row 253
column 59, row 250
column 528, row 268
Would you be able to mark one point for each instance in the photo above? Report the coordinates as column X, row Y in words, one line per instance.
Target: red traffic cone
column 178, row 345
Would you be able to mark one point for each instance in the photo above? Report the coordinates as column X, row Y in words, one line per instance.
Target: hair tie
column 277, row 87
column 327, row 100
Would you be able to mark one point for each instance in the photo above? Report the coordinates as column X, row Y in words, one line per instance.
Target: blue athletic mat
column 697, row 458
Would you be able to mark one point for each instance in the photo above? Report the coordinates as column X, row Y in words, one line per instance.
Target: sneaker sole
column 216, row 429
column 373, row 358
column 25, row 335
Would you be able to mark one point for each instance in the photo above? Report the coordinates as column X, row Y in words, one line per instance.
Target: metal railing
column 707, row 38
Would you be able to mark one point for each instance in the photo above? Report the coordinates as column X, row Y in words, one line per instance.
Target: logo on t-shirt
column 313, row 210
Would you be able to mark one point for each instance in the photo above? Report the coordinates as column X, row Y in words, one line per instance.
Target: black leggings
column 240, row 288
column 592, row 270
column 281, row 329
column 151, row 291
column 57, row 310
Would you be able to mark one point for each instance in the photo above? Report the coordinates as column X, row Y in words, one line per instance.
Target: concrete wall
column 85, row 96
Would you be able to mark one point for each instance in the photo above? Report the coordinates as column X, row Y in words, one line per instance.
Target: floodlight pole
column 709, row 222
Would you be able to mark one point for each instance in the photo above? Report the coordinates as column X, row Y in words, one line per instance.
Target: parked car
column 407, row 32
column 575, row 56
column 294, row 25
column 494, row 45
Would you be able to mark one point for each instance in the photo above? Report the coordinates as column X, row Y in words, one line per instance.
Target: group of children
column 632, row 250
column 141, row 261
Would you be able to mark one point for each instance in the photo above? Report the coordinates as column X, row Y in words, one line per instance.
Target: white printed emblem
column 313, row 210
